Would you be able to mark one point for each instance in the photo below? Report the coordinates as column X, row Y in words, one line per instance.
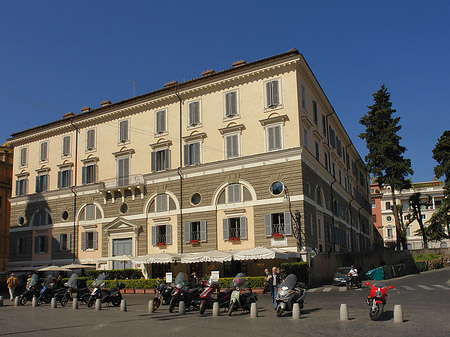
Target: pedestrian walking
column 266, row 281
column 274, row 281
column 12, row 283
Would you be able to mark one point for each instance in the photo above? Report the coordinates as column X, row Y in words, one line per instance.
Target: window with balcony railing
column 235, row 229
column 278, row 224
column 195, row 232
column 162, row 235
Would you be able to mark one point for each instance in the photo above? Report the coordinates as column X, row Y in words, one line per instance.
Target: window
column 90, row 212
column 305, row 138
column 64, row 241
column 41, row 183
column 23, row 156
column 195, row 232
column 388, row 205
column 311, row 224
column 123, row 171
column 234, row 193
column 162, row 235
column 340, row 176
column 408, row 231
column 333, row 169
column 303, row 97
column 192, row 154
column 194, row 113
column 195, row 199
column 235, row 229
column 389, row 218
column 332, row 137
column 389, row 233
column 319, row 229
column 231, row 108
column 339, row 146
column 123, row 131
column 160, row 160
column 405, row 205
column 64, row 178
column 325, row 155
column 161, row 202
column 277, row 188
column 274, row 138
column 278, row 224
column 318, row 196
column 43, row 153
column 373, row 205
column 21, row 186
column 90, row 139
column 161, row 125
column 20, row 246
column 324, row 125
column 89, row 174
column 66, row 146
column 272, row 94
column 42, row 218
column 89, row 240
column 232, row 146
column 316, row 120
column 317, row 151
column 40, row 244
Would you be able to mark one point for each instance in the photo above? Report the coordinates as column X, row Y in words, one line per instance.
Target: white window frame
column 94, row 145
column 239, row 150
column 43, row 160
column 121, row 141
column 67, row 153
column 267, row 127
column 162, row 132
column 193, row 124
column 225, row 99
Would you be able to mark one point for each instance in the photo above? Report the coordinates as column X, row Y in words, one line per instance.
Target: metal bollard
column 75, row 303
column 16, row 301
column 98, row 304
column 53, row 304
column 343, row 313
column 151, row 307
column 1, row 301
column 296, row 311
column 123, row 305
column 398, row 313
column 216, row 309
column 253, row 310
column 181, row 308
column 34, row 302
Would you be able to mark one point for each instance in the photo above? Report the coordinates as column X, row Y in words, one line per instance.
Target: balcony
column 134, row 183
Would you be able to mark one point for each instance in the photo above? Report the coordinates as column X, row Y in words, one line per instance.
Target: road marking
column 408, row 288
column 312, row 290
column 327, row 290
column 359, row 289
column 425, row 287
column 342, row 288
column 441, row 286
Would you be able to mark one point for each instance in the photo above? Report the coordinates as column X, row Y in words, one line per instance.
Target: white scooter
column 288, row 294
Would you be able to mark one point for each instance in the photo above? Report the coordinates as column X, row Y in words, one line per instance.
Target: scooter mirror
column 367, row 283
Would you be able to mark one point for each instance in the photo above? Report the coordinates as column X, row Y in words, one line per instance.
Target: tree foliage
column 385, row 159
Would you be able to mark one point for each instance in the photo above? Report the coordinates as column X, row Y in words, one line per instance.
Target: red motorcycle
column 377, row 299
column 208, row 297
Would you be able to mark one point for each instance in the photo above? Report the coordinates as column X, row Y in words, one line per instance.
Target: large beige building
column 431, row 193
column 195, row 166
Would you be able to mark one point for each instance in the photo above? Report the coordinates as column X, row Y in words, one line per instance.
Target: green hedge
column 252, row 282
column 119, row 274
column 300, row 269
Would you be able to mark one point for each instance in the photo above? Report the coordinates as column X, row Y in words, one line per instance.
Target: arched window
column 90, row 212
column 42, row 218
column 319, row 196
column 234, row 193
column 162, row 203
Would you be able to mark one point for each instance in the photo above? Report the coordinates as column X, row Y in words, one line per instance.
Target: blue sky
column 59, row 56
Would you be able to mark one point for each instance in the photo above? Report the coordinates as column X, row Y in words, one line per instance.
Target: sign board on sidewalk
column 169, row 277
column 215, row 275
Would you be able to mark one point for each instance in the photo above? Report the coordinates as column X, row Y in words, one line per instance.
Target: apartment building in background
column 432, row 193
column 6, row 169
column 206, row 164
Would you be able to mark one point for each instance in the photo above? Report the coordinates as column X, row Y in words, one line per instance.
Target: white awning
column 157, row 258
column 260, row 253
column 209, row 256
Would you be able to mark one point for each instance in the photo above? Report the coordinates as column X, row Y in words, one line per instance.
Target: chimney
column 86, row 109
column 208, row 72
column 105, row 103
column 238, row 63
column 69, row 114
column 170, row 84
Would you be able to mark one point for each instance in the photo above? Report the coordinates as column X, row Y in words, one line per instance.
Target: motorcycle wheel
column 231, row 308
column 376, row 313
column 171, row 305
column 64, row 301
column 156, row 303
column 23, row 300
column 91, row 302
column 116, row 301
column 280, row 311
column 39, row 301
column 203, row 306
column 349, row 285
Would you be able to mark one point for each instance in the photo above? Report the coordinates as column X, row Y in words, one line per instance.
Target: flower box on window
column 277, row 235
column 194, row 242
column 161, row 244
column 234, row 238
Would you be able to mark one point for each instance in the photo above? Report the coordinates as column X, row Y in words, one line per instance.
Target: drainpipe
column 179, row 171
column 74, row 192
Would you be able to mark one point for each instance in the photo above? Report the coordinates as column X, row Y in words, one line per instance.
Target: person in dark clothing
column 274, row 280
column 266, row 281
column 59, row 282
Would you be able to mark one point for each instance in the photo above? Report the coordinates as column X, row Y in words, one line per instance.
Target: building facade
column 432, row 193
column 6, row 168
column 195, row 166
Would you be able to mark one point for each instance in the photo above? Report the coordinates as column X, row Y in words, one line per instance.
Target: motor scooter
column 376, row 300
column 31, row 290
column 163, row 294
column 48, row 292
column 182, row 292
column 208, row 296
column 112, row 295
column 289, row 293
column 240, row 299
column 353, row 282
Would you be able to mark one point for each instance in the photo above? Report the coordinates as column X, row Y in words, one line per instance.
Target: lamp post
column 297, row 230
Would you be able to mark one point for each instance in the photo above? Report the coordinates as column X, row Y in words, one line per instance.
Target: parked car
column 340, row 276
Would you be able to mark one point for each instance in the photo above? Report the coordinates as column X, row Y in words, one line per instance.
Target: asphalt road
column 424, row 299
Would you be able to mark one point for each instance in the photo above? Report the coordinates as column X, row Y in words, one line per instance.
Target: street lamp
column 297, row 229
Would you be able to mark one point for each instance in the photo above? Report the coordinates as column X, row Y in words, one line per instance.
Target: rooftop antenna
column 134, row 87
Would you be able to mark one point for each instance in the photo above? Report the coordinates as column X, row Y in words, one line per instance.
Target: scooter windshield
column 239, row 280
column 289, row 283
column 48, row 280
column 33, row 280
column 72, row 281
column 379, row 285
column 100, row 278
column 181, row 280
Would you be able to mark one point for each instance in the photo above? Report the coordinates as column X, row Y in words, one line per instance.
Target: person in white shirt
column 353, row 273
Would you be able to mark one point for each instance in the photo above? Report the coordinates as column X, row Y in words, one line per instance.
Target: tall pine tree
column 385, row 159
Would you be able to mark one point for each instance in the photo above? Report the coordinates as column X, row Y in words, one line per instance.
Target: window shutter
column 36, row 244
column 58, row 238
column 95, row 240
column 45, row 238
column 277, row 137
column 229, row 148
column 83, row 175
column 243, row 227
column 94, row 173
column 269, row 99
column 69, row 178
column 228, row 111
column 43, row 151
column 275, row 93
column 83, row 240
column 153, row 161
column 186, row 154
column 69, row 241
column 166, row 159
column 123, row 131
column 268, row 224
column 17, row 187
column 187, row 232
column 153, row 235
column 235, row 146
column 59, row 179
column 287, row 223
column 126, row 168
column 226, row 229
column 90, row 139
column 45, row 183
column 197, row 113
column 233, row 103
column 196, row 153
column 37, row 185
column 168, row 234
column 271, row 137
column 203, row 231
